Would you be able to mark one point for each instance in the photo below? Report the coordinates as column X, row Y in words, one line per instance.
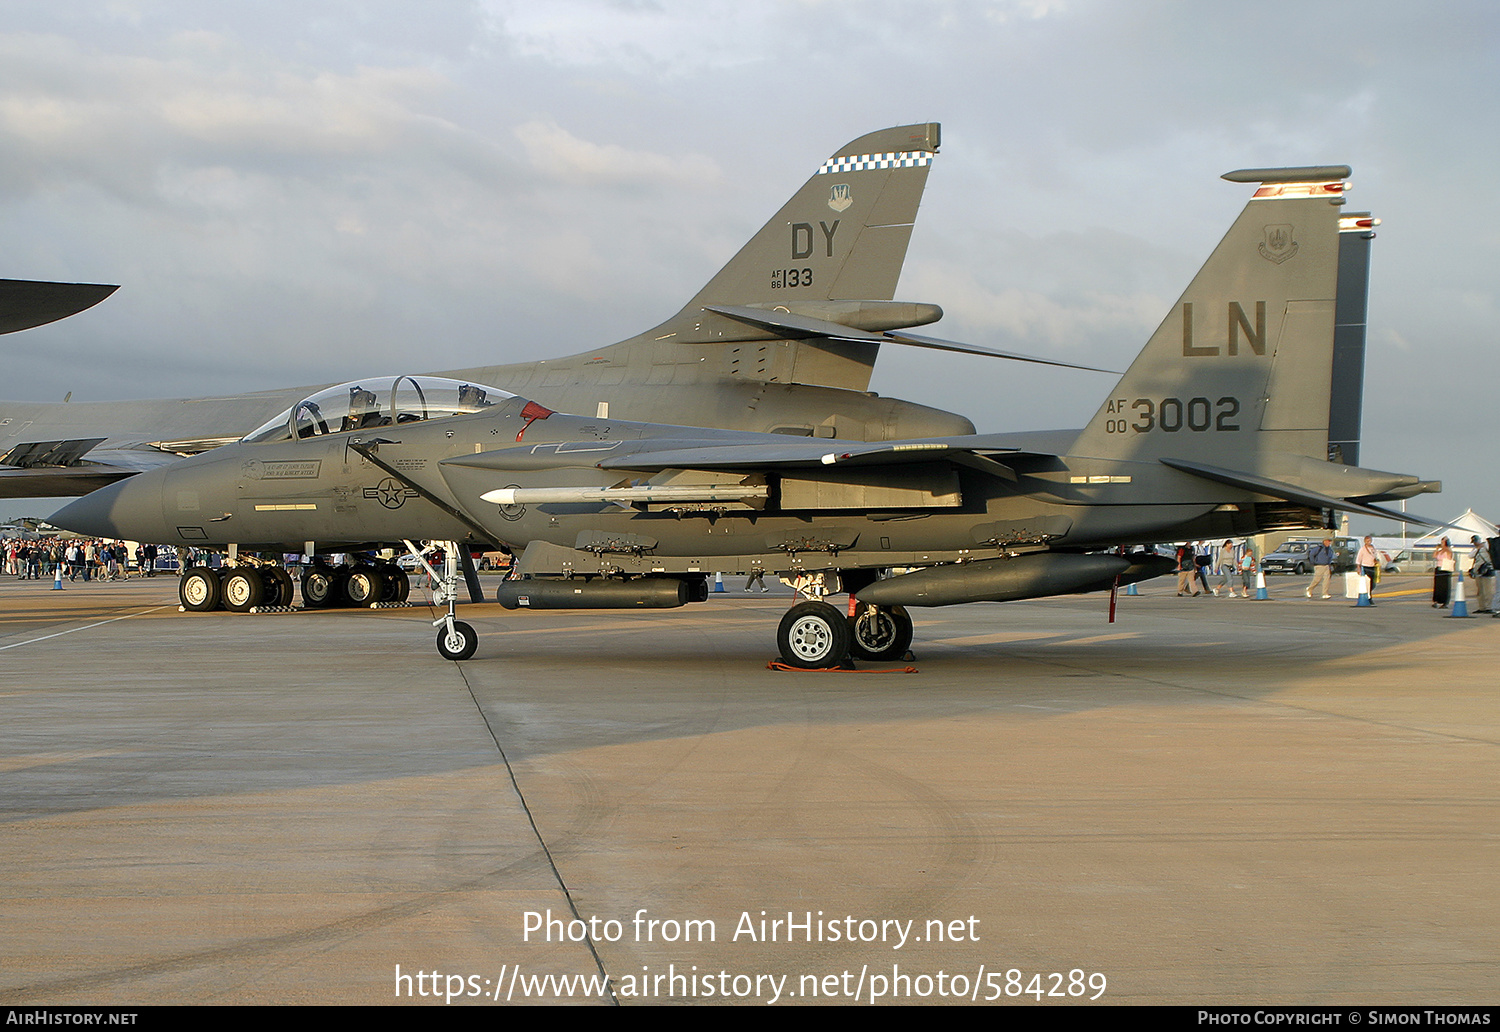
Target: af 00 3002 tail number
column 1194, row 415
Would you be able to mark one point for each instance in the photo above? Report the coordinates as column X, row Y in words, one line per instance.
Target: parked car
column 1292, row 556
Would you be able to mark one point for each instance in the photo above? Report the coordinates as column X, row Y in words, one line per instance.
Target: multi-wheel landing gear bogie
column 361, row 585
column 237, row 589
column 240, row 589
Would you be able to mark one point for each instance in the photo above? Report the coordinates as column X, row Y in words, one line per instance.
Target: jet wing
column 57, row 481
column 801, row 326
column 797, row 453
column 55, row 469
column 660, row 454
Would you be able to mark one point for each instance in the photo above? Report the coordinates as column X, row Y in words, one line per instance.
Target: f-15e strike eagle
column 1220, row 427
column 782, row 340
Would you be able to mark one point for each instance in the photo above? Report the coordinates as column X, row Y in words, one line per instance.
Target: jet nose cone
column 100, row 514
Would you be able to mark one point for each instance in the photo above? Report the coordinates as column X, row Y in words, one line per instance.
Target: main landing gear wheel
column 881, row 634
column 199, row 590
column 318, row 585
column 243, row 590
column 364, row 586
column 278, row 584
column 458, row 644
column 397, row 584
column 812, row 635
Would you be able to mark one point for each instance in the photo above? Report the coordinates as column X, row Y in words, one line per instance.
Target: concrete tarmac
column 1210, row 801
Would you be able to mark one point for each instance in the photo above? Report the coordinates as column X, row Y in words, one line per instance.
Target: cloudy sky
column 303, row 192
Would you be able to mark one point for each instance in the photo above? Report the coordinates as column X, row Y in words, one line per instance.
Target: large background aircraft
column 783, row 340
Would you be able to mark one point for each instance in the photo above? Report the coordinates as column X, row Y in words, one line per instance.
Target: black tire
column 460, row 645
column 397, row 584
column 363, row 586
column 1301, row 569
column 319, row 587
column 242, row 589
column 199, row 590
column 278, row 587
column 813, row 635
column 881, row 634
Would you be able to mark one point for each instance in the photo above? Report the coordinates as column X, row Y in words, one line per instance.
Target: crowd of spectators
column 79, row 558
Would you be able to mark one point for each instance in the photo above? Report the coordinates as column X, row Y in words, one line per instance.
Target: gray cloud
column 300, row 192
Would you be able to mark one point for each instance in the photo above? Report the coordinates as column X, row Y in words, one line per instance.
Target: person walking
column 1322, row 560
column 1369, row 564
column 1224, row 568
column 1247, row 571
column 1187, row 570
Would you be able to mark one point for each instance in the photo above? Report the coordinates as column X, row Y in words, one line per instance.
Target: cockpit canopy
column 377, row 402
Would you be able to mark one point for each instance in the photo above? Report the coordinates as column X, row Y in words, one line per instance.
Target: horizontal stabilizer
column 28, row 303
column 1294, row 494
column 801, row 326
column 916, row 340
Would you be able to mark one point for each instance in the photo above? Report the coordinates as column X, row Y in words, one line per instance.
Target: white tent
column 1470, row 523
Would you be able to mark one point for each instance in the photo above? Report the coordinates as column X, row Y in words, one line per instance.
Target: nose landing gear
column 456, row 640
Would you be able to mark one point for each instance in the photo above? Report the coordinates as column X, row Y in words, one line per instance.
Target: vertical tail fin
column 844, row 234
column 1239, row 373
column 833, row 253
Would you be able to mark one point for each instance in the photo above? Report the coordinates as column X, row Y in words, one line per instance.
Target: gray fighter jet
column 1219, row 428
column 782, row 340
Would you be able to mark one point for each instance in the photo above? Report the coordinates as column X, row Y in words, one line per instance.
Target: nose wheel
column 458, row 641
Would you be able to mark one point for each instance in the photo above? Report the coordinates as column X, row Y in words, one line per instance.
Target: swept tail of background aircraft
column 782, row 339
column 785, row 336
